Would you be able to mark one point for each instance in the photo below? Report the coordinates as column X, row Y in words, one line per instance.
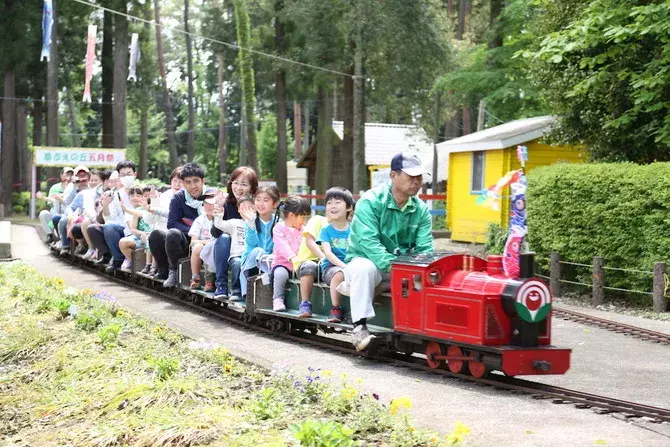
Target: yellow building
column 478, row 160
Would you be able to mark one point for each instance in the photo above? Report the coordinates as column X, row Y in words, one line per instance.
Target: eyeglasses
column 242, row 184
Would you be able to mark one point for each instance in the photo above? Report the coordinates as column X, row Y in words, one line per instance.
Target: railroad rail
column 614, row 326
column 558, row 395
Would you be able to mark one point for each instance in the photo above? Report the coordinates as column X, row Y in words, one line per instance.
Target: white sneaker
column 127, row 264
column 90, row 252
column 361, row 337
column 278, row 305
column 59, row 245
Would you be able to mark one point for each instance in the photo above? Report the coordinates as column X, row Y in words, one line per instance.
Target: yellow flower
column 401, row 402
column 359, row 381
column 228, row 368
column 349, row 392
column 461, row 428
column 344, row 376
column 119, row 313
column 327, row 373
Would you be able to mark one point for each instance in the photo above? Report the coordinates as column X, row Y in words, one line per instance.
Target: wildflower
column 349, row 392
column 375, row 396
column 228, row 369
column 456, row 436
column 359, row 381
column 401, row 402
column 327, row 373
column 59, row 282
column 344, row 376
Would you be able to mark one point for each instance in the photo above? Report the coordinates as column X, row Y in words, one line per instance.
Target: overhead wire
column 212, row 40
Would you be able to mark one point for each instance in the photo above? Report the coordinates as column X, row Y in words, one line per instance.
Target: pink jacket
column 287, row 241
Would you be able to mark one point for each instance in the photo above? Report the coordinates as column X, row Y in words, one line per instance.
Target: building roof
column 383, row 141
column 499, row 137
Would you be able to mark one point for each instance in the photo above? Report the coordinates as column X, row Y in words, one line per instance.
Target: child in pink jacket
column 286, row 236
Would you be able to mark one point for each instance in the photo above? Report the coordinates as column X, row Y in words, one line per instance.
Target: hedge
column 620, row 211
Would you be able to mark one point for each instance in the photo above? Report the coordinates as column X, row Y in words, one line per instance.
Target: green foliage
column 21, row 203
column 89, row 320
column 164, row 367
column 617, row 211
column 62, row 305
column 109, row 334
column 496, row 236
column 267, row 147
column 266, row 405
column 605, row 74
column 313, row 433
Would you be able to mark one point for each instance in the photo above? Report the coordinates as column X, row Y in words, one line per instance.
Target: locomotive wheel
column 434, row 349
column 455, row 366
column 477, row 369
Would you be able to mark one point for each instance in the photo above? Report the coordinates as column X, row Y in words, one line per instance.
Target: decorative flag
column 47, row 23
column 90, row 58
column 517, row 228
column 522, row 155
column 134, row 57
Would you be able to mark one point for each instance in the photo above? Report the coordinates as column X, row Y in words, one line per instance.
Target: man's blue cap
column 408, row 163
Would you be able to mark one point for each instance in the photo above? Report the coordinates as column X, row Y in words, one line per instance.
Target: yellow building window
column 477, row 172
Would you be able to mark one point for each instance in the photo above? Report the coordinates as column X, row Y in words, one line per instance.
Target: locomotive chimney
column 527, row 265
column 494, row 265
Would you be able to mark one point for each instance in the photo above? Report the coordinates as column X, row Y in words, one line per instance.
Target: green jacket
column 381, row 231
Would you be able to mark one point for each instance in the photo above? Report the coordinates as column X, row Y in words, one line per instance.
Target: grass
column 75, row 369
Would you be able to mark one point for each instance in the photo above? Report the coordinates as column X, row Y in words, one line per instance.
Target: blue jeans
column 235, row 265
column 250, row 263
column 113, row 234
column 62, row 231
column 221, row 255
column 55, row 219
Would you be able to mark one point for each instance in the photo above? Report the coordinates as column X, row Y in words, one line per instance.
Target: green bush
column 21, row 203
column 496, row 236
column 620, row 211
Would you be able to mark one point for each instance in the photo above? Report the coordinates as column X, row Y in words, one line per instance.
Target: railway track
column 621, row 328
column 558, row 395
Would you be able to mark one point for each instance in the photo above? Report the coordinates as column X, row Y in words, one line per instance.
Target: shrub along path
column 495, row 418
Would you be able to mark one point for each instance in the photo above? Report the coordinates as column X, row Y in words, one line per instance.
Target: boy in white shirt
column 200, row 234
column 235, row 228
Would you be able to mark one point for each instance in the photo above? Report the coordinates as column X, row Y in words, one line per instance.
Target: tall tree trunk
column 36, row 113
column 223, row 134
column 280, row 170
column 280, row 99
column 360, row 169
column 167, row 104
column 7, row 157
column 307, row 121
column 144, row 142
column 494, row 25
column 107, row 62
column 120, row 74
column 467, row 120
column 23, row 166
column 347, row 146
column 190, row 145
column 297, row 130
column 460, row 29
column 72, row 114
column 247, row 77
column 324, row 141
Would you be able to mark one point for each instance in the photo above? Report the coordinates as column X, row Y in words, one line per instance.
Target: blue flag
column 47, row 23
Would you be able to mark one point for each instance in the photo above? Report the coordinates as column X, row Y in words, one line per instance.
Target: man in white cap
column 56, row 198
column 389, row 220
column 79, row 183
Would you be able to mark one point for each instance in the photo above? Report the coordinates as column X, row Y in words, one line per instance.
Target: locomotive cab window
column 477, row 172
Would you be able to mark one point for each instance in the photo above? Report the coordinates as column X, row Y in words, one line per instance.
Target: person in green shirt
column 390, row 220
column 56, row 198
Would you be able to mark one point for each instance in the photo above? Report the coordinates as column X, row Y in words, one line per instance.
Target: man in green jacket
column 389, row 220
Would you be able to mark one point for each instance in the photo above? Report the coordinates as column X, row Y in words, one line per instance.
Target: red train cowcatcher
column 464, row 310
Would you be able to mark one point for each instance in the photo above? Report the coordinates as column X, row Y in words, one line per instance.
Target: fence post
column 598, row 281
column 555, row 274
column 659, row 287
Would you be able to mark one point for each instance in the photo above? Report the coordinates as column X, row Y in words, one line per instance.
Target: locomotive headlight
column 434, row 277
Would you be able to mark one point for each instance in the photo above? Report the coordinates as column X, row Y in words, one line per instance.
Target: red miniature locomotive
column 464, row 310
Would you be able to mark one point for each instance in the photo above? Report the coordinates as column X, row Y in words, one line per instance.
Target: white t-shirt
column 201, row 228
column 235, row 228
column 162, row 205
